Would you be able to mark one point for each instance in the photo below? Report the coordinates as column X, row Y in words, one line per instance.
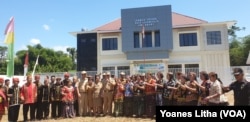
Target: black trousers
column 38, row 110
column 45, row 110
column 26, row 108
column 138, row 105
column 128, row 106
column 13, row 112
column 76, row 107
column 150, row 105
column 56, row 109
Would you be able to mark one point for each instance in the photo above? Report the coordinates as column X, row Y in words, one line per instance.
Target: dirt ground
column 104, row 119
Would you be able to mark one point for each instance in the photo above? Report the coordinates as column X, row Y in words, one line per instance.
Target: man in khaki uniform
column 90, row 89
column 82, row 94
column 108, row 90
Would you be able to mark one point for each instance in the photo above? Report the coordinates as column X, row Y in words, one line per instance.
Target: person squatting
column 106, row 95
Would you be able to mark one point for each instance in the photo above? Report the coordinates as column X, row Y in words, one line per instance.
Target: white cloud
column 46, row 27
column 35, row 41
column 23, row 47
column 61, row 48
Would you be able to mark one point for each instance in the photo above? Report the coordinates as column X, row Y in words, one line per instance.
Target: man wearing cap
column 55, row 97
column 66, row 77
column 82, row 94
column 241, row 88
column 38, row 107
column 122, row 78
column 28, row 97
column 90, row 89
column 14, row 102
column 108, row 88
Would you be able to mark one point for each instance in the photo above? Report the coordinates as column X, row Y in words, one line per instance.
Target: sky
column 49, row 22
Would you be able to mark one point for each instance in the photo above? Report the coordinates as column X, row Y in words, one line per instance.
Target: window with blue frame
column 147, row 41
column 157, row 39
column 109, row 44
column 136, row 40
column 188, row 39
column 213, row 37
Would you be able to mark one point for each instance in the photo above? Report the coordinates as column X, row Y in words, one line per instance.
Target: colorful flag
column 9, row 40
column 26, row 63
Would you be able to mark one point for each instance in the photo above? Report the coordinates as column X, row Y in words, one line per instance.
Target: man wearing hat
column 241, row 88
column 108, row 88
column 82, row 94
column 14, row 103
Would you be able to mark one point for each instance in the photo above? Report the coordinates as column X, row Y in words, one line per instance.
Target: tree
column 3, row 50
column 232, row 30
column 72, row 53
column 238, row 48
column 49, row 60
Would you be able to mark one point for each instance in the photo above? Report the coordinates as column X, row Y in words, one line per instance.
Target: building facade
column 151, row 39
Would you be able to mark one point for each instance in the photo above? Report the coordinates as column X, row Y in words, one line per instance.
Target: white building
column 172, row 42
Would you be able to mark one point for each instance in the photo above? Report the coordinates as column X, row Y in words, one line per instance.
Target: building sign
column 146, row 21
column 143, row 68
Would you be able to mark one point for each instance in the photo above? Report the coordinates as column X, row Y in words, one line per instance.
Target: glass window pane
column 109, row 44
column 157, row 39
column 188, row 39
column 213, row 37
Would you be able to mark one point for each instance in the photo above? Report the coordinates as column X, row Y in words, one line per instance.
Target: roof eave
column 228, row 23
column 94, row 31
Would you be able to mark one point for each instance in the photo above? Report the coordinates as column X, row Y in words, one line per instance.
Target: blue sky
column 49, row 22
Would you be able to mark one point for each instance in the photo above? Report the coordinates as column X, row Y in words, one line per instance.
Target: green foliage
column 49, row 60
column 232, row 30
column 239, row 51
column 72, row 53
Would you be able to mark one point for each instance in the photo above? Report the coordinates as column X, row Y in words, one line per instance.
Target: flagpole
column 26, row 61
column 35, row 66
column 143, row 45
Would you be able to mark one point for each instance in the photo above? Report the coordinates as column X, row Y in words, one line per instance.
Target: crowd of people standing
column 104, row 95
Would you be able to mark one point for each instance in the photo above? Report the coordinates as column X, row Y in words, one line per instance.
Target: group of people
column 104, row 95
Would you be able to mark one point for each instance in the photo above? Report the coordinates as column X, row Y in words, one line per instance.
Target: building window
column 192, row 68
column 213, row 37
column 188, row 39
column 124, row 69
column 175, row 68
column 109, row 69
column 109, row 44
column 147, row 41
column 136, row 40
column 157, row 39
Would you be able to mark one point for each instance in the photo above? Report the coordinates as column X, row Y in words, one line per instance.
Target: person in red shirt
column 29, row 97
column 68, row 99
column 3, row 99
column 150, row 95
